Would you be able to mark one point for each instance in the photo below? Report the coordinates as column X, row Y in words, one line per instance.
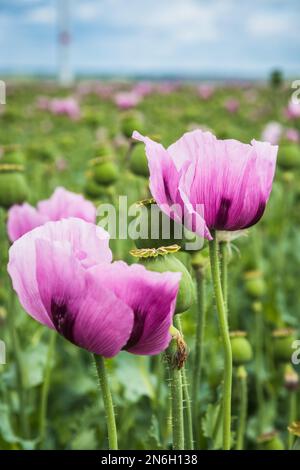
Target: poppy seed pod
column 270, row 441
column 13, row 185
column 138, row 161
column 241, row 348
column 289, row 156
column 255, row 284
column 158, row 230
column 13, row 155
column 93, row 189
column 104, row 171
column 131, row 121
column 283, row 339
column 163, row 260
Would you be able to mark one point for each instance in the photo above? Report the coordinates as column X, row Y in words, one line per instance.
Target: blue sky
column 193, row 37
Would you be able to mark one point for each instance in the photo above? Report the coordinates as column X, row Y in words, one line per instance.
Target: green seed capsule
column 13, row 188
column 156, row 229
column 255, row 284
column 132, row 121
column 282, row 344
column 94, row 190
column 105, row 173
column 241, row 348
column 186, row 294
column 289, row 155
column 138, row 161
column 14, row 157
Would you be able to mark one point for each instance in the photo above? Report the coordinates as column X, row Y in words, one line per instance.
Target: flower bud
column 104, row 171
column 132, row 121
column 255, row 284
column 270, row 441
column 291, row 378
column 138, row 161
column 283, row 339
column 241, row 348
column 162, row 260
column 13, row 186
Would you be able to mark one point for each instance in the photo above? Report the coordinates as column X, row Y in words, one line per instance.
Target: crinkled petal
column 164, row 178
column 151, row 296
column 81, row 309
column 230, row 179
column 64, row 204
column 23, row 218
column 89, row 243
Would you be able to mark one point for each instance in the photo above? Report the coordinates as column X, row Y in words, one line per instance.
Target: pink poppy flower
column 210, row 184
column 272, row 133
column 232, row 105
column 127, row 100
column 68, row 106
column 64, row 278
column 293, row 110
column 292, row 135
column 62, row 204
column 205, row 91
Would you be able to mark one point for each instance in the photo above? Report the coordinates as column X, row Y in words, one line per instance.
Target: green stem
column 292, row 415
column 199, row 342
column 224, row 271
column 45, row 387
column 242, row 418
column 258, row 366
column 20, row 374
column 176, row 397
column 108, row 403
column 215, row 271
column 189, row 440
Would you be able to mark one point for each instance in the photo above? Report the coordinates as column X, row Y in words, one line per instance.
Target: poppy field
column 114, row 341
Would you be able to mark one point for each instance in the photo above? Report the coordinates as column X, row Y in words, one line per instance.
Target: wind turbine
column 65, row 72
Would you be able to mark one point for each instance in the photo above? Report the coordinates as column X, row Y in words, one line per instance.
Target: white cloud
column 41, row 15
column 268, row 25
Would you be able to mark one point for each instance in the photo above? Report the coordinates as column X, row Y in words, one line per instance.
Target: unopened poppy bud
column 241, row 348
column 104, row 171
column 255, row 284
column 283, row 339
column 291, row 378
column 13, row 186
column 162, row 260
column 138, row 161
column 270, row 441
column 130, row 122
